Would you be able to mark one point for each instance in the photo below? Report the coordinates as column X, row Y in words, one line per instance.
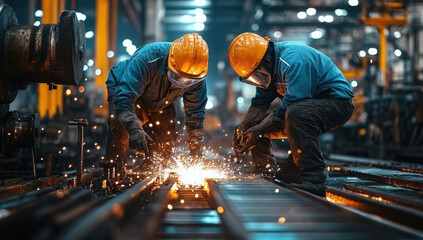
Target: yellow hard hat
column 246, row 52
column 188, row 56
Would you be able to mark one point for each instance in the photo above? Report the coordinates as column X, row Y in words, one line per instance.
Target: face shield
column 259, row 78
column 181, row 81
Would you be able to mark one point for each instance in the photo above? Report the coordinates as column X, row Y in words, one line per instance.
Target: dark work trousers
column 160, row 127
column 305, row 121
column 262, row 155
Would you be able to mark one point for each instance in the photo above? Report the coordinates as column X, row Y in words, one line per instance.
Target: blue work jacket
column 144, row 77
column 307, row 73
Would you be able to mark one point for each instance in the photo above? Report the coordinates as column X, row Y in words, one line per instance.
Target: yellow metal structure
column 102, row 46
column 50, row 103
column 382, row 23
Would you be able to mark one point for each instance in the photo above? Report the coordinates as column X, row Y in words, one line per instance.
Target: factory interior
column 58, row 182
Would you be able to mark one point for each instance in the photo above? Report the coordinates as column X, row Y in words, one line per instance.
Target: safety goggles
column 181, row 81
column 260, row 77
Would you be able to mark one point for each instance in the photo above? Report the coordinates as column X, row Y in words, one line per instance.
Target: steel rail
column 231, row 222
column 356, row 215
column 110, row 214
column 394, row 198
column 402, row 215
column 388, row 179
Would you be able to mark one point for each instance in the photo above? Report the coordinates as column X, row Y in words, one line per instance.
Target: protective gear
column 181, row 81
column 269, row 125
column 253, row 117
column 138, row 142
column 188, row 56
column 260, row 77
column 138, row 139
column 195, row 142
column 246, row 52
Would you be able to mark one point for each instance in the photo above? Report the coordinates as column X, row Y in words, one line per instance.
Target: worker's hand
column 195, row 142
column 138, row 142
column 236, row 140
column 250, row 138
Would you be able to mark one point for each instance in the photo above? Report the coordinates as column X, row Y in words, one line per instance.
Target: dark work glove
column 138, row 142
column 138, row 139
column 254, row 116
column 269, row 125
column 195, row 142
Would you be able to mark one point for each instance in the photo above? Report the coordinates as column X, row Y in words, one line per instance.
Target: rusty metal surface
column 8, row 89
column 48, row 53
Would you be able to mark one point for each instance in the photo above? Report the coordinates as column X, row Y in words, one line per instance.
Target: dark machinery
column 49, row 53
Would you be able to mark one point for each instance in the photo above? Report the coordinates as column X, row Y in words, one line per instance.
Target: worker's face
column 260, row 77
column 181, row 81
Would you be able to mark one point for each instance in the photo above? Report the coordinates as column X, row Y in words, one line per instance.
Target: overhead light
column 397, row 34
column 127, row 43
column 199, row 26
column 317, row 34
column 200, row 2
column 221, row 65
column 341, row 12
column 131, row 49
column 85, row 68
column 81, row 16
column 38, row 13
column 397, row 52
column 198, row 11
column 98, row 71
column 362, row 53
column 259, row 14
column 110, row 54
column 353, row 3
column 321, row 18
column 90, row 63
column 240, row 100
column 37, row 23
column 301, row 15
column 89, row 34
column 209, row 105
column 255, row 27
column 354, row 83
column 187, row 19
column 328, row 18
column 277, row 34
column 372, row 51
column 311, row 11
column 200, row 18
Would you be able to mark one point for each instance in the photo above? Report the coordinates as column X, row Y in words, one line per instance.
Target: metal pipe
column 80, row 161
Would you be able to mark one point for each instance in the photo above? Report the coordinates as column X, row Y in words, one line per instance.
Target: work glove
column 253, row 117
column 265, row 128
column 138, row 139
column 195, row 142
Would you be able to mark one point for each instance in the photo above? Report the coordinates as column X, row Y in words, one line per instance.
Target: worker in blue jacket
column 141, row 95
column 315, row 98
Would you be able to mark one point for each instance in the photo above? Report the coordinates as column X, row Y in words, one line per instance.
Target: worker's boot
column 288, row 172
column 314, row 181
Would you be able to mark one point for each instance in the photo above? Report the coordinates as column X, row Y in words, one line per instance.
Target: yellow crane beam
column 50, row 103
